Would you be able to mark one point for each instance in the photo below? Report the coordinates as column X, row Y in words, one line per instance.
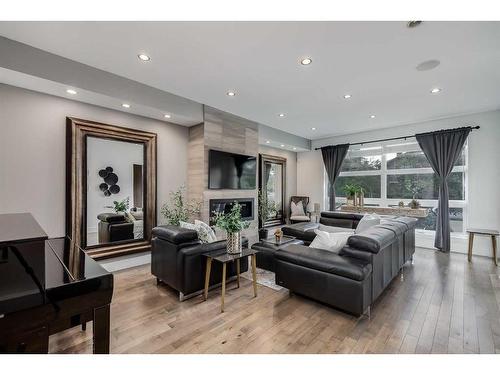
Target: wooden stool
column 486, row 232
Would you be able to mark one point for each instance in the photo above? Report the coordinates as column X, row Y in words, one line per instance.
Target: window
column 395, row 171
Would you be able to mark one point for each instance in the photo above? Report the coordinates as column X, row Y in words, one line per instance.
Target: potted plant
column 350, row 193
column 177, row 210
column 232, row 224
column 264, row 213
column 120, row 206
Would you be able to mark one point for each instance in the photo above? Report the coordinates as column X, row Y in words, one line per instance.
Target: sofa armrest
column 175, row 234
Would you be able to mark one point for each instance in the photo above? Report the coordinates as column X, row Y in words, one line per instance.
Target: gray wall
column 32, row 152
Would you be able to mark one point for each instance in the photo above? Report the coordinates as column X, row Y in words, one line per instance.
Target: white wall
column 33, row 152
column 483, row 185
column 291, row 171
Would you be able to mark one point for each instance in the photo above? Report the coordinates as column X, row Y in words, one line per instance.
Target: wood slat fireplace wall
column 224, row 132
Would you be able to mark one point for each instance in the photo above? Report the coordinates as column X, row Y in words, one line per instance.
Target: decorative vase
column 263, row 233
column 233, row 243
column 361, row 199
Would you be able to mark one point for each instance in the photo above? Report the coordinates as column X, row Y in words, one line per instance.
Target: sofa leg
column 158, row 281
column 369, row 312
column 411, row 260
column 181, row 296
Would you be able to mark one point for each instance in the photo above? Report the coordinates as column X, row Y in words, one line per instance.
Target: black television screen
column 231, row 171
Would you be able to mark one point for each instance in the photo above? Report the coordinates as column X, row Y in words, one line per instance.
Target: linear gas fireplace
column 225, row 205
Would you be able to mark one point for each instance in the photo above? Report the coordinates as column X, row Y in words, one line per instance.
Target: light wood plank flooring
column 443, row 305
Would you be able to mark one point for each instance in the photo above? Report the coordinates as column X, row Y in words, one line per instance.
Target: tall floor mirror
column 111, row 188
column 272, row 184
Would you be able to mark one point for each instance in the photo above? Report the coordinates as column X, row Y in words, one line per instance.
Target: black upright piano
column 47, row 286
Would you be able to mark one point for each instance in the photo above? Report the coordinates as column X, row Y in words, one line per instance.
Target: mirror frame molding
column 77, row 131
column 263, row 158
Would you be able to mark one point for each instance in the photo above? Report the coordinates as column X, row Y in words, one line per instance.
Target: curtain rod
column 396, row 138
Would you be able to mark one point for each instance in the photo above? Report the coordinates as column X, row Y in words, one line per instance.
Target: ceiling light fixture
column 125, row 105
column 144, row 57
column 306, row 61
column 372, row 116
column 347, row 96
column 281, row 115
column 231, row 93
column 268, row 141
column 167, row 115
column 436, row 90
column 71, row 91
column 295, row 148
column 282, row 145
column 313, row 128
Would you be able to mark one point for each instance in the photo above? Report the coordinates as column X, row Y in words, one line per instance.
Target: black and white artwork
column 109, row 186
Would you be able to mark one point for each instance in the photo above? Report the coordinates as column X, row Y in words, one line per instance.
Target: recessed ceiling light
column 167, row 115
column 306, row 61
column 144, row 57
column 125, row 105
column 347, row 96
column 231, row 93
column 268, row 141
column 313, row 128
column 295, row 148
column 282, row 145
column 281, row 115
column 71, row 91
column 436, row 90
column 372, row 116
column 412, row 24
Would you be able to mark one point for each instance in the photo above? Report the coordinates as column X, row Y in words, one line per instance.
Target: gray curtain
column 442, row 149
column 333, row 156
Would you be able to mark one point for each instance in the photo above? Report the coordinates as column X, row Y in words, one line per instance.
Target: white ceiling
column 373, row 61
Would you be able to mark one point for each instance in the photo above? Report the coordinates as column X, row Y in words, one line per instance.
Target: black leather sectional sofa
column 177, row 260
column 355, row 277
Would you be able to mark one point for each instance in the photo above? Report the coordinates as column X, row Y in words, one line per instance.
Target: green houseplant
column 120, row 206
column 178, row 210
column 232, row 224
column 350, row 193
column 263, row 212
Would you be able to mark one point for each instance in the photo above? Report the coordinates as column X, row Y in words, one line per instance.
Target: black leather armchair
column 177, row 260
column 114, row 228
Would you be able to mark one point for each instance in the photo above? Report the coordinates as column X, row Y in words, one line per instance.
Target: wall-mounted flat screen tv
column 231, row 171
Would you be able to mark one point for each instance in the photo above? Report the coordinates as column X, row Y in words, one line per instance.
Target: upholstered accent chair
column 299, row 218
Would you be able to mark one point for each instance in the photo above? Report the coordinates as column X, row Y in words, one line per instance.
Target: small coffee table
column 284, row 240
column 225, row 258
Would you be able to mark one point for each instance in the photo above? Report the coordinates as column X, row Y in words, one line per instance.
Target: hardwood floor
column 442, row 305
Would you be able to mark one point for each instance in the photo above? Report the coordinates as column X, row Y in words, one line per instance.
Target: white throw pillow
column 297, row 209
column 203, row 234
column 330, row 229
column 333, row 242
column 366, row 222
column 186, row 225
column 210, row 232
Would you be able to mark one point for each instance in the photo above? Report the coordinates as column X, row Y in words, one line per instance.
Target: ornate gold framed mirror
column 110, row 187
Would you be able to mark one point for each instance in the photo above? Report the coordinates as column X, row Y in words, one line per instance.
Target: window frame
column 384, row 172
